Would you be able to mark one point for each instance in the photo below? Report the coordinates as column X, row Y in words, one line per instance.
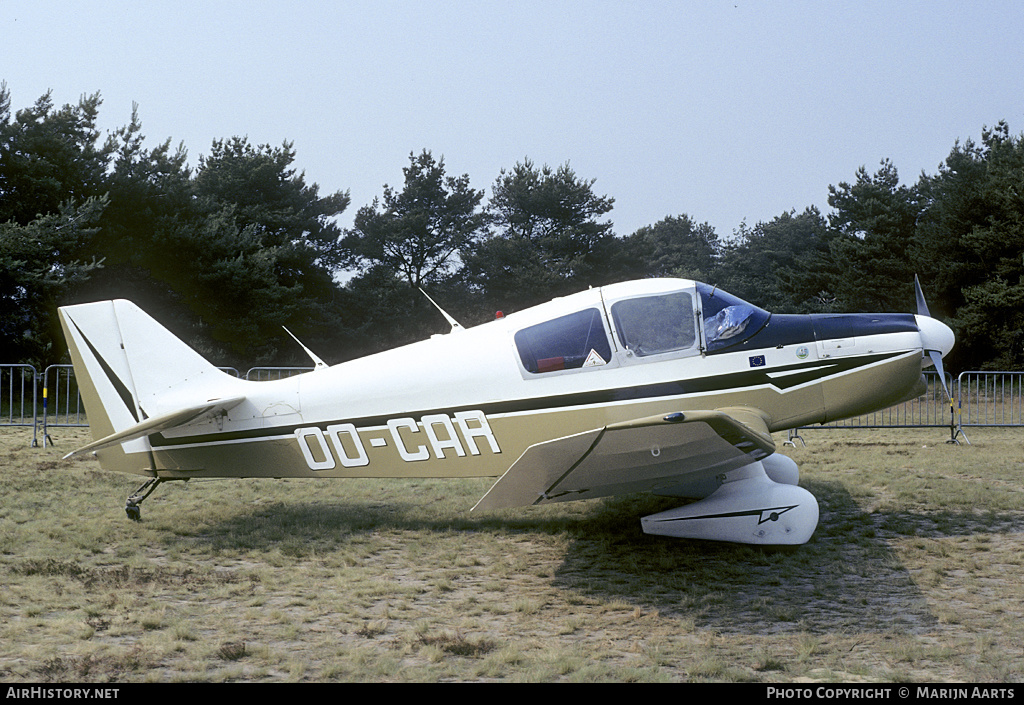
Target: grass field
column 914, row 574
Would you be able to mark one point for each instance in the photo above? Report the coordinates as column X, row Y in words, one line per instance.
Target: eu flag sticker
column 757, row 361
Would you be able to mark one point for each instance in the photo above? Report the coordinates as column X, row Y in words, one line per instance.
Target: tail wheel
column 131, row 506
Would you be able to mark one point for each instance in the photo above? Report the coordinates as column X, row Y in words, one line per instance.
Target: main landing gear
column 131, row 506
column 758, row 504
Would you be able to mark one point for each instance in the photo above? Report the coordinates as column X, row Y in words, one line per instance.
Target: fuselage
column 470, row 402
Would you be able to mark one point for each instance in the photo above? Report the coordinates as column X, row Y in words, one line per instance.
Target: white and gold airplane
column 661, row 385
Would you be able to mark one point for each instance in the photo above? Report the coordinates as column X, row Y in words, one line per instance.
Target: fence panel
column 62, row 405
column 18, row 396
column 991, row 398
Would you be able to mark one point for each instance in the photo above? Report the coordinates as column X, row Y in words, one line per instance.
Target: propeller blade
column 936, row 357
column 922, row 305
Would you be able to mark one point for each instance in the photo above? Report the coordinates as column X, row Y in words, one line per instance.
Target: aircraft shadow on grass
column 846, row 577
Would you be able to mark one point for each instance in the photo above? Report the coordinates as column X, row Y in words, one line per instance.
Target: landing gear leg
column 131, row 506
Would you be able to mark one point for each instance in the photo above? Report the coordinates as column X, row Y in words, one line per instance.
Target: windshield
column 728, row 320
column 651, row 325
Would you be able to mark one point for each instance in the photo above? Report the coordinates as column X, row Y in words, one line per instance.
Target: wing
column 655, row 454
column 174, row 419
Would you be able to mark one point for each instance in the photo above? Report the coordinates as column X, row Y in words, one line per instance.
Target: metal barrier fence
column 62, row 405
column 991, row 398
column 979, row 399
column 17, row 387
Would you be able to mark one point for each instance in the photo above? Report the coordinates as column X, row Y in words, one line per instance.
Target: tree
column 224, row 256
column 421, row 231
column 150, row 190
column 547, row 240
column 781, row 265
column 971, row 244
column 870, row 263
column 675, row 246
column 40, row 263
column 264, row 191
column 410, row 239
column 49, row 157
column 52, row 170
column 258, row 250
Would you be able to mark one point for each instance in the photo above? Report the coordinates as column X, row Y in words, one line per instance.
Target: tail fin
column 136, row 378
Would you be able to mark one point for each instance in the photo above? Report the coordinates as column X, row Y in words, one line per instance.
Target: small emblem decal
column 594, row 359
column 757, row 361
column 802, row 353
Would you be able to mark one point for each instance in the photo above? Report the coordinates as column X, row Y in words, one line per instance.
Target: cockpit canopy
column 658, row 323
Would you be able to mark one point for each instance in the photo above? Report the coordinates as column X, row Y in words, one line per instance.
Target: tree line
column 227, row 252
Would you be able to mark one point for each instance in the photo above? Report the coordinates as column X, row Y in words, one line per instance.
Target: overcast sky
column 727, row 111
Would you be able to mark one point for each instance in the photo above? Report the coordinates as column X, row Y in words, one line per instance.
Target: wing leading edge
column 655, row 454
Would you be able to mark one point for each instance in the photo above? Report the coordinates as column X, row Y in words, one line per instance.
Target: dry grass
column 913, row 574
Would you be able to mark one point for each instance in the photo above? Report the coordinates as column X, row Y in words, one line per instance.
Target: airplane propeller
column 935, row 336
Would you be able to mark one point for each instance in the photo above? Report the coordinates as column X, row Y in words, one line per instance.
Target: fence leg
column 46, row 436
column 794, row 433
column 955, row 429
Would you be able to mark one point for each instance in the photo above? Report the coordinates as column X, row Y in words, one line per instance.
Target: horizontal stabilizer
column 173, row 419
column 645, row 454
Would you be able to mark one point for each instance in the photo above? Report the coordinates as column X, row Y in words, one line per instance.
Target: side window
column 566, row 343
column 650, row 325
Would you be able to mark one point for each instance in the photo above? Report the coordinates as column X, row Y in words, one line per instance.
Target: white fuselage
column 464, row 404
